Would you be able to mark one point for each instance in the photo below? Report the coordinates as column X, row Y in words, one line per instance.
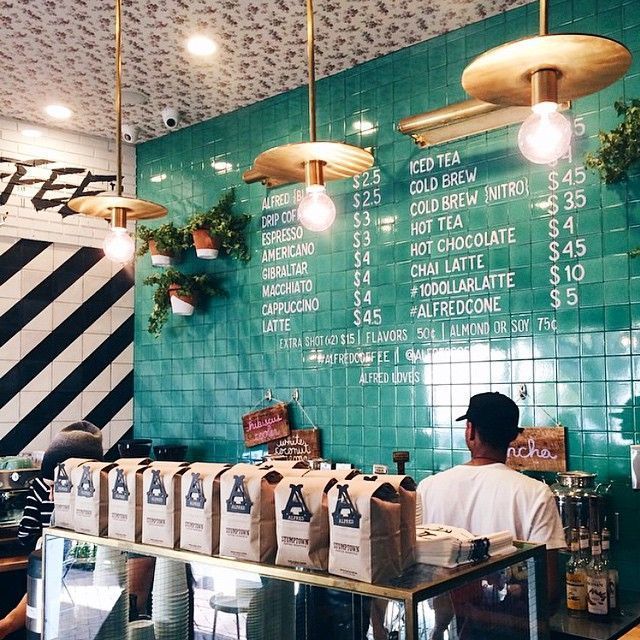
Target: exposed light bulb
column 545, row 136
column 316, row 210
column 118, row 245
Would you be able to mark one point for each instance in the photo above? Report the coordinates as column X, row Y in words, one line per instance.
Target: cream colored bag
column 161, row 503
column 200, row 510
column 247, row 513
column 91, row 497
column 287, row 467
column 364, row 531
column 63, row 494
column 338, row 474
column 302, row 522
column 125, row 499
column 406, row 488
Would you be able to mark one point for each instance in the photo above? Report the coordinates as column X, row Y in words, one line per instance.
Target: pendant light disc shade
column 101, row 206
column 585, row 64
column 287, row 162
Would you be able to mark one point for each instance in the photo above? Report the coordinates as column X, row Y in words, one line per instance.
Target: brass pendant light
column 540, row 72
column 314, row 162
column 118, row 244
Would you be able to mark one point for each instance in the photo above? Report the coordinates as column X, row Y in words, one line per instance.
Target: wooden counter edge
column 13, row 563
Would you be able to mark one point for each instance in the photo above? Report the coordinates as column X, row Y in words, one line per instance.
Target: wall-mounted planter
column 207, row 246
column 158, row 258
column 181, row 305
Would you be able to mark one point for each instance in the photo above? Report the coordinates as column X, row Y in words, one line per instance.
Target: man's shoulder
column 445, row 476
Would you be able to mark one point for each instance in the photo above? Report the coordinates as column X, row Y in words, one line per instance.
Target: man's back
column 487, row 498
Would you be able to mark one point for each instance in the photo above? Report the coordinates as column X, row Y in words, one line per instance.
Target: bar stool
column 236, row 604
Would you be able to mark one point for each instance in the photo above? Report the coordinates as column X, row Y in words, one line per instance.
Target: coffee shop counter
column 13, row 563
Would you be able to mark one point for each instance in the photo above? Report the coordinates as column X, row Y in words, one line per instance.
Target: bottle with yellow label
column 576, row 578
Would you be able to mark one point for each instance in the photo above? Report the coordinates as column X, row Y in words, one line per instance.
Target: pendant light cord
column 311, row 63
column 118, row 99
column 544, row 17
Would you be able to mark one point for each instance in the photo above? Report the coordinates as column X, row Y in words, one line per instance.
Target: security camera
column 130, row 133
column 170, row 117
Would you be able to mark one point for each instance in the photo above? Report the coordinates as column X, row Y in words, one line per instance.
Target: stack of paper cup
column 141, row 630
column 110, row 593
column 170, row 610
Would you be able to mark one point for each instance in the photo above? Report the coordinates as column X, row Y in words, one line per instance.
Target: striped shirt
column 36, row 514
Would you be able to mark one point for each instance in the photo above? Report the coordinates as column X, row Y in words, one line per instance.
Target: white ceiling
column 62, row 51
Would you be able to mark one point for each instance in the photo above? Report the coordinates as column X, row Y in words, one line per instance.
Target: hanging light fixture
column 541, row 72
column 118, row 245
column 313, row 162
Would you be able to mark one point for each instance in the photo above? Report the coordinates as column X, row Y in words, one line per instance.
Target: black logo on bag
column 239, row 501
column 345, row 514
column 86, row 488
column 63, row 482
column 296, row 509
column 156, row 494
column 195, row 496
column 120, row 489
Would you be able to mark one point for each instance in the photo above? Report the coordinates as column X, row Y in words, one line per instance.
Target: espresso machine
column 14, row 488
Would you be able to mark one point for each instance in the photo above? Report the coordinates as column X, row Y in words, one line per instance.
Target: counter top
column 13, row 563
column 565, row 627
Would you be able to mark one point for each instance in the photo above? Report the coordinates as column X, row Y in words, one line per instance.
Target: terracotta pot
column 159, row 259
column 207, row 246
column 181, row 305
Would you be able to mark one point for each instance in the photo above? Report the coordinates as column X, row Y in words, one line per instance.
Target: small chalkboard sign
column 300, row 444
column 265, row 425
column 539, row 449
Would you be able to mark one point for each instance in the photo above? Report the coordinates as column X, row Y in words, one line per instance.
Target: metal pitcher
column 580, row 501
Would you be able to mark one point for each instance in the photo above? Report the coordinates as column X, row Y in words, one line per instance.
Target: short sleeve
column 546, row 525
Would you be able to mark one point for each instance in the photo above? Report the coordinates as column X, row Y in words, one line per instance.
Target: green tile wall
column 195, row 381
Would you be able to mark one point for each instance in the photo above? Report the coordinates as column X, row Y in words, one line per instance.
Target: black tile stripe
column 19, row 255
column 62, row 336
column 43, row 294
column 109, row 406
column 72, row 386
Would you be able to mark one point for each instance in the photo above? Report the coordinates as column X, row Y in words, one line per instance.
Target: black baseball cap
column 494, row 414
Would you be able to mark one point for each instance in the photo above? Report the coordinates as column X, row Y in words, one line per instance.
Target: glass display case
column 102, row 588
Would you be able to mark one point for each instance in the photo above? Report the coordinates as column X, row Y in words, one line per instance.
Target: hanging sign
column 539, row 449
column 265, row 425
column 301, row 444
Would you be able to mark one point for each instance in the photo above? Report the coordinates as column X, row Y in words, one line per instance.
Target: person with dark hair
column 78, row 440
column 485, row 496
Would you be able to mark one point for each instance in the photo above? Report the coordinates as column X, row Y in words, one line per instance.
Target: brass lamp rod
column 311, row 63
column 544, row 17
column 118, row 96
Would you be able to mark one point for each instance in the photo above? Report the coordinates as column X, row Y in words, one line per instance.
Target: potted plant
column 165, row 243
column 180, row 291
column 220, row 228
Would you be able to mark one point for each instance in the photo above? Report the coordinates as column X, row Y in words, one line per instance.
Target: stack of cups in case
column 170, row 610
column 141, row 630
column 110, row 593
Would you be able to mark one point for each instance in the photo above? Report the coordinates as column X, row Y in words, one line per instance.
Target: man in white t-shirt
column 484, row 495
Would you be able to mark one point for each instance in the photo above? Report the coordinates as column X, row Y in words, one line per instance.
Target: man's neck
column 487, row 455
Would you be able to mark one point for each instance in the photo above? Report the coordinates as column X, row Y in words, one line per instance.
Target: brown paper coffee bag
column 247, row 513
column 125, row 499
column 200, row 511
column 91, row 497
column 287, row 467
column 338, row 474
column 302, row 522
column 161, row 503
column 406, row 488
column 63, row 494
column 364, row 531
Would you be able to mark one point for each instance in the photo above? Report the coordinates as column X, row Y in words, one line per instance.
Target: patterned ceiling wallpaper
column 62, row 51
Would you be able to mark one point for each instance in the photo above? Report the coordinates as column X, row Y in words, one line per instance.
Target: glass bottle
column 576, row 578
column 585, row 554
column 597, row 581
column 612, row 572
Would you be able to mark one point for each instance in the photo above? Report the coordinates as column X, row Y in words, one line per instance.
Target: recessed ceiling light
column 221, row 166
column 58, row 111
column 159, row 178
column 31, row 133
column 201, row 46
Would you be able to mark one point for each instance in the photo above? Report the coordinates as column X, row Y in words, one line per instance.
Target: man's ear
column 471, row 431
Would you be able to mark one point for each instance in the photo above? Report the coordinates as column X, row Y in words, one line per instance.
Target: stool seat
column 236, row 604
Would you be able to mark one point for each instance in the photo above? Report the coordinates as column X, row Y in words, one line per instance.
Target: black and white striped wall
column 66, row 312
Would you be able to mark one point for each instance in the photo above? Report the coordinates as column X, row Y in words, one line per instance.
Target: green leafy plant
column 169, row 239
column 620, row 148
column 197, row 286
column 222, row 223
